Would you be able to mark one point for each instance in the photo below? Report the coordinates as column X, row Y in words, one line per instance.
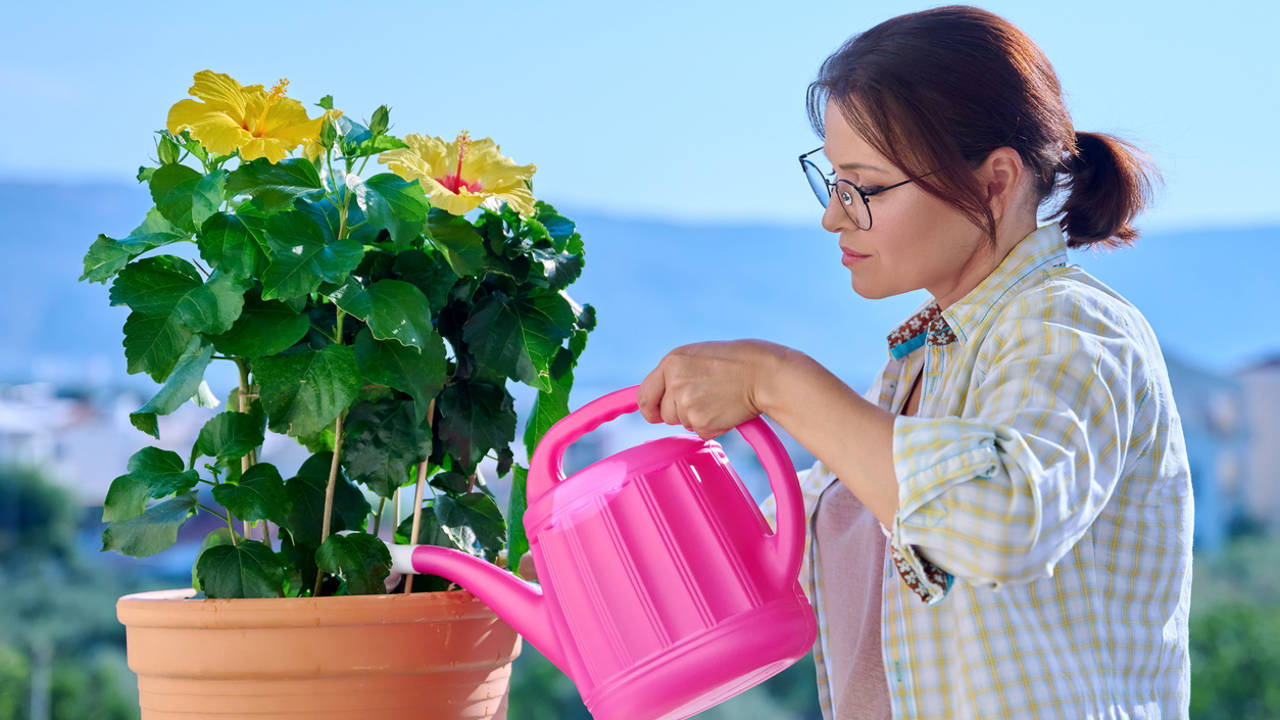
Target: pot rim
column 178, row 608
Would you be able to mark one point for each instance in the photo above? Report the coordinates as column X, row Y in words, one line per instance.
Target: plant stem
column 417, row 516
column 200, row 268
column 377, row 519
column 246, row 461
column 333, row 480
column 225, row 518
column 417, row 495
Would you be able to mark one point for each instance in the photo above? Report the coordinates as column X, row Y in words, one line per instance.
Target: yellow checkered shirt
column 1045, row 509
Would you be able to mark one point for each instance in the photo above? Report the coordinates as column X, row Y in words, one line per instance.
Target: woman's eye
column 871, row 190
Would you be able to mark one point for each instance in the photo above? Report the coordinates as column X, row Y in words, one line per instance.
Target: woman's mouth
column 849, row 257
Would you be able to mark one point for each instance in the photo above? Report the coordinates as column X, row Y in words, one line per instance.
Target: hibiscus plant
column 368, row 318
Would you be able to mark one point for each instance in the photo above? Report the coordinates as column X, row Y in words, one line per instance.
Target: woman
column 1010, row 532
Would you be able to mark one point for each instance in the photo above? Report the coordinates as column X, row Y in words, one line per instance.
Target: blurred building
column 83, row 439
column 1211, row 407
column 1261, row 414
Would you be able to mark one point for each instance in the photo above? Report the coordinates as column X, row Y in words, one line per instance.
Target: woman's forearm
column 850, row 435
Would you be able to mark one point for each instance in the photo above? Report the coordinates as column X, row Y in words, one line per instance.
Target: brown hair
column 938, row 90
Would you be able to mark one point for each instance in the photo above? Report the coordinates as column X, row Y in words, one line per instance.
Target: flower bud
column 168, row 150
column 381, row 117
column 328, row 132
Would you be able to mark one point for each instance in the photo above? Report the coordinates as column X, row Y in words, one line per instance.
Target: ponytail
column 1110, row 182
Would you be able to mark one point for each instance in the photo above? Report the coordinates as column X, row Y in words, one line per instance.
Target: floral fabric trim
column 929, row 323
column 928, row 581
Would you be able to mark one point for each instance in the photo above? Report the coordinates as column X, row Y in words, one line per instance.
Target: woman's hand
column 711, row 387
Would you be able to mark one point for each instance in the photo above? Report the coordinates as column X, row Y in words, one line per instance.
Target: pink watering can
column 663, row 591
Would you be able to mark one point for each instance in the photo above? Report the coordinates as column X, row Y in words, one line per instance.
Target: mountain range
column 655, row 285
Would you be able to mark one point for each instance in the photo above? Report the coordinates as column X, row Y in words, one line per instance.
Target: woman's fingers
column 649, row 395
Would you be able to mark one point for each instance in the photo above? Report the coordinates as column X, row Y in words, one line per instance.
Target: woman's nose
column 834, row 218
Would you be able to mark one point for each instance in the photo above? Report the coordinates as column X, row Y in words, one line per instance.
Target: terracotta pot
column 427, row 655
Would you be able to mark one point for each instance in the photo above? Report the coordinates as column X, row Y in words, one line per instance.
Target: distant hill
column 655, row 285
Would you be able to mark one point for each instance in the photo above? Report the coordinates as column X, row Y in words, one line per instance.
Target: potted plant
column 372, row 321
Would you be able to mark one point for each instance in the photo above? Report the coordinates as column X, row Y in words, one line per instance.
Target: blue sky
column 678, row 110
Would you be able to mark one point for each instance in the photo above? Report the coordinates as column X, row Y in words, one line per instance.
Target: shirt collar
column 1046, row 246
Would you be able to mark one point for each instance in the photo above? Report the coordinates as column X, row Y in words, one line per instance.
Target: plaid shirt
column 1039, row 564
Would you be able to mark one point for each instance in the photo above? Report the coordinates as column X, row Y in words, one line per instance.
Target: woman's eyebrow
column 859, row 166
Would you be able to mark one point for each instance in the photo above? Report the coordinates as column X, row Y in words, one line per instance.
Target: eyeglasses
column 857, row 204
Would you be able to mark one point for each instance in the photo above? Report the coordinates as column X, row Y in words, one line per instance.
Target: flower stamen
column 277, row 91
column 454, row 182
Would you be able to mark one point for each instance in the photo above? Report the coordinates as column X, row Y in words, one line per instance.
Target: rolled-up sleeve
column 1003, row 493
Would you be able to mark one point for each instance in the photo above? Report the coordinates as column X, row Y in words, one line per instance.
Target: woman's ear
column 1002, row 175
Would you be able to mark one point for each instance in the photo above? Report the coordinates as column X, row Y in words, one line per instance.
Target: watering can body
column 663, row 590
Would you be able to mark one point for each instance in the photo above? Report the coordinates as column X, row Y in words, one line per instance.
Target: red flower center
column 454, row 182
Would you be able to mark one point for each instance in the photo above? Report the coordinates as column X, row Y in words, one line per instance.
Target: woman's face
column 915, row 241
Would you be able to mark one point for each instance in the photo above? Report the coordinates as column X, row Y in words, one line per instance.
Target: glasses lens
column 855, row 206
column 817, row 182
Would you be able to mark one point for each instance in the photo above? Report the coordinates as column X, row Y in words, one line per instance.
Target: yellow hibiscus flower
column 248, row 119
column 460, row 175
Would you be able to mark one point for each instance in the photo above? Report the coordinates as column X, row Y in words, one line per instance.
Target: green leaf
column 474, row 517
column 306, row 492
column 127, row 497
column 305, row 251
column 304, row 392
column 382, row 440
column 548, row 409
column 475, row 417
column 375, row 145
column 274, row 186
column 152, row 473
column 457, row 238
column 182, row 384
column 392, row 309
column 429, row 530
column 228, row 435
column 258, row 495
column 419, row 374
column 184, row 196
column 453, row 482
column 252, row 408
column 517, row 540
column 429, row 273
column 560, row 228
column 265, row 327
column 146, row 422
column 326, row 102
column 353, row 133
column 389, row 202
column 219, row 536
column 152, row 531
column 107, row 256
column 153, row 285
column 153, row 344
column 557, row 270
column 192, row 146
column 170, row 305
column 361, row 559
column 170, row 186
column 248, row 569
column 300, row 565
column 519, row 336
column 226, row 244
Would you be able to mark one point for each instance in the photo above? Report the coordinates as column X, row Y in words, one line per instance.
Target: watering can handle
column 786, row 545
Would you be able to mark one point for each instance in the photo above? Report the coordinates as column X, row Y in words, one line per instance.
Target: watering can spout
column 514, row 600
